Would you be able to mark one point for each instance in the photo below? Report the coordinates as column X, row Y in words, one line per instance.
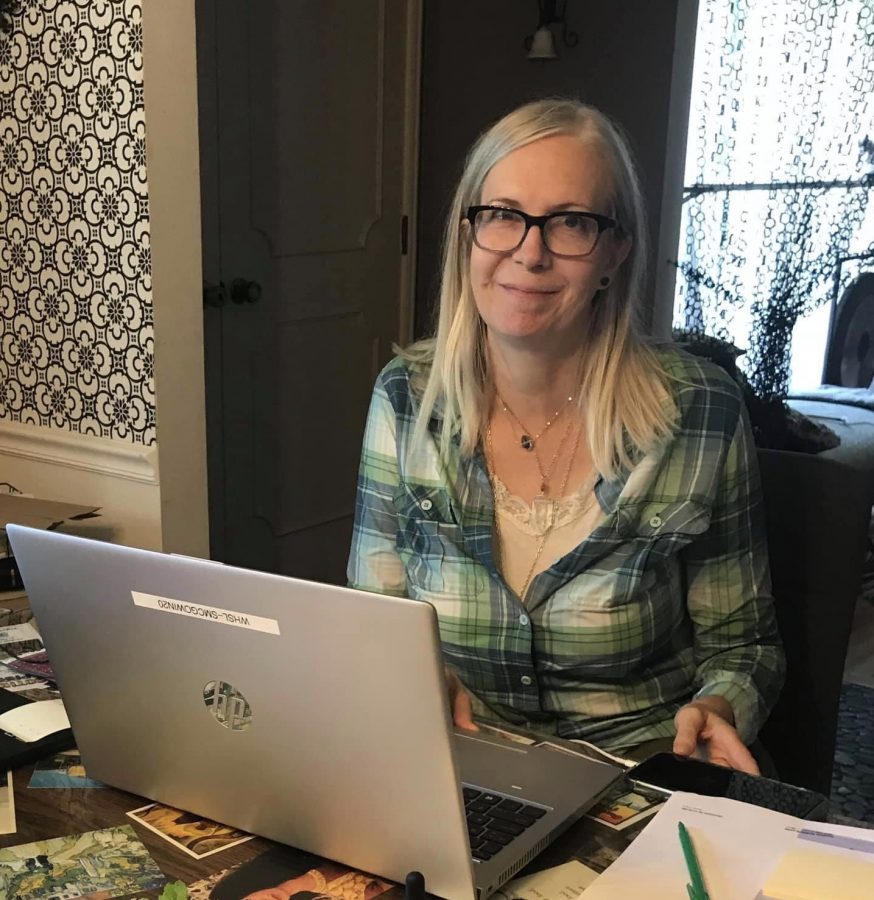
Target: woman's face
column 528, row 296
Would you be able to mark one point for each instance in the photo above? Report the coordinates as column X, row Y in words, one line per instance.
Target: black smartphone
column 680, row 773
column 669, row 772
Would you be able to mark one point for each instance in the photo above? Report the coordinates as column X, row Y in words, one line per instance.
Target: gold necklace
column 526, row 441
column 490, row 469
column 545, row 476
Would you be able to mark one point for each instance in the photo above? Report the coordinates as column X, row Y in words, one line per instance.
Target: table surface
column 43, row 813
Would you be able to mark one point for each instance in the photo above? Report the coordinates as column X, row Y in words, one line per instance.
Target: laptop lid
column 311, row 714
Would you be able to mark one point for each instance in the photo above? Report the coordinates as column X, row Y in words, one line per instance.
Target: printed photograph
column 7, row 806
column 97, row 864
column 63, row 770
column 623, row 808
column 282, row 874
column 513, row 736
column 36, row 663
column 196, row 836
column 19, row 682
column 598, row 850
column 20, row 639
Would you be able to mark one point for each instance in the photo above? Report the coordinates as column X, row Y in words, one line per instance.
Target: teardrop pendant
column 527, row 442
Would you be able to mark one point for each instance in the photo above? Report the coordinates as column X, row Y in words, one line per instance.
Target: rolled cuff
column 743, row 697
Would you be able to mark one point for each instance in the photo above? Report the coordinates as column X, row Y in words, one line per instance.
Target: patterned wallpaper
column 76, row 336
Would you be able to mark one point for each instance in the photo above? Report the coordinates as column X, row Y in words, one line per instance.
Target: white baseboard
column 120, row 477
column 119, row 459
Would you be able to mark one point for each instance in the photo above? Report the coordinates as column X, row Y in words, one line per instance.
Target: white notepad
column 34, row 721
column 805, row 874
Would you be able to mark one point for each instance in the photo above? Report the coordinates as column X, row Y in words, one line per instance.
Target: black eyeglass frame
column 604, row 223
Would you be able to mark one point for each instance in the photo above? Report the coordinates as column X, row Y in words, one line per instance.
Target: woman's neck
column 534, row 383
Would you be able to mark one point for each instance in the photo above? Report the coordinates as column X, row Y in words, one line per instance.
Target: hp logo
column 229, row 707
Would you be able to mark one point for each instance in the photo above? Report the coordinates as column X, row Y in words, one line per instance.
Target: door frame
column 173, row 162
column 412, row 120
column 686, row 28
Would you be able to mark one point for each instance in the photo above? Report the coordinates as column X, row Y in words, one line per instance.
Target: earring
column 605, row 281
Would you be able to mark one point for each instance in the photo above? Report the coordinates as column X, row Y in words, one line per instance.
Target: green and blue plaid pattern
column 667, row 598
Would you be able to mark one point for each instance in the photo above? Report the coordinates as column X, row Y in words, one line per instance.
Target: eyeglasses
column 500, row 229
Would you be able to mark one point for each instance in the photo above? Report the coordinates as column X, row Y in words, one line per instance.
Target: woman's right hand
column 459, row 702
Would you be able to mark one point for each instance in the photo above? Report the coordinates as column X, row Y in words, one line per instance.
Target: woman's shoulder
column 691, row 373
column 404, row 378
column 699, row 386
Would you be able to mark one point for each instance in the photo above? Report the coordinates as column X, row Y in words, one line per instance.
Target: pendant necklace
column 527, row 441
column 499, row 538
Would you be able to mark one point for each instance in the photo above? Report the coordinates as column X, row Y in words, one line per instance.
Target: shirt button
column 526, row 680
column 523, row 619
column 426, row 505
column 656, row 522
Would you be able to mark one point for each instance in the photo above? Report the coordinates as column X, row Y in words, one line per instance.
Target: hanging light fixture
column 541, row 44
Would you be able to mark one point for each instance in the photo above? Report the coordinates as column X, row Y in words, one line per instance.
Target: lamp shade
column 542, row 45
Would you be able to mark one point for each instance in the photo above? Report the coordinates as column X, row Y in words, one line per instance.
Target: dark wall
column 474, row 69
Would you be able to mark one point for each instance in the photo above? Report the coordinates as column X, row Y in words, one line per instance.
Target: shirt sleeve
column 374, row 562
column 738, row 653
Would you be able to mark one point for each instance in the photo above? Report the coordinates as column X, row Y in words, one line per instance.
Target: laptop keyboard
column 493, row 821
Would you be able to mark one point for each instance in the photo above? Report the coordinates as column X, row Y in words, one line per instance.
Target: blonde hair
column 623, row 389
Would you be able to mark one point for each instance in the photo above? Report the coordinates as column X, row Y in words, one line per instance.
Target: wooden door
column 305, row 121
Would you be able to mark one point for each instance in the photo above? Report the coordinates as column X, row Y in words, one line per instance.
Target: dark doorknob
column 244, row 291
column 214, row 294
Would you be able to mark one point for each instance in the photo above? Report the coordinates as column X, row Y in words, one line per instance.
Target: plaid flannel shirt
column 668, row 598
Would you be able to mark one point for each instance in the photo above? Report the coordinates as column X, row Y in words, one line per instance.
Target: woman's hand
column 709, row 721
column 459, row 702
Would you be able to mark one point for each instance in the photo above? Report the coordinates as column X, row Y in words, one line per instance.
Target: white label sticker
column 209, row 613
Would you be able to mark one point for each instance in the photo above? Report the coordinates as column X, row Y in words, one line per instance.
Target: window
column 779, row 170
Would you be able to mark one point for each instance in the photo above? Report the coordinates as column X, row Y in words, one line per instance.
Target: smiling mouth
column 530, row 291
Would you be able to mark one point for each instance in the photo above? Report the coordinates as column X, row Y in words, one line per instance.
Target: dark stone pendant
column 527, row 442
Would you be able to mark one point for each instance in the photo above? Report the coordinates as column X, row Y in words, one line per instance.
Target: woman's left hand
column 708, row 721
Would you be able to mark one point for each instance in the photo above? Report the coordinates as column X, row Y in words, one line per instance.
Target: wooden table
column 43, row 813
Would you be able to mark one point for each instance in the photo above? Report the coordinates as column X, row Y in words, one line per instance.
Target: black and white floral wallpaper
column 76, row 336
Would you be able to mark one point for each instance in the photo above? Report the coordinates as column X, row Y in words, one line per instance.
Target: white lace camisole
column 521, row 528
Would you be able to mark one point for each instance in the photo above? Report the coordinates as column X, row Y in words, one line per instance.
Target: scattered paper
column 109, row 863
column 12, row 634
column 561, row 883
column 196, row 836
column 16, row 684
column 36, row 663
column 283, row 872
column 7, row 807
column 601, row 754
column 738, row 846
column 512, row 736
column 63, row 770
column 622, row 808
column 35, row 721
column 804, row 874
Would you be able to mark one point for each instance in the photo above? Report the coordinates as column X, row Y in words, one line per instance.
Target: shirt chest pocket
column 663, row 529
column 431, row 543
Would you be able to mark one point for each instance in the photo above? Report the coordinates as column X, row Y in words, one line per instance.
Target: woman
column 582, row 510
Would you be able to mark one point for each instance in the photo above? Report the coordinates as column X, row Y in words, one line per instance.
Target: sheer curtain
column 779, row 170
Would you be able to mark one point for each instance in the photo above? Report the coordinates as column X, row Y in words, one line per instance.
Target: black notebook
column 15, row 753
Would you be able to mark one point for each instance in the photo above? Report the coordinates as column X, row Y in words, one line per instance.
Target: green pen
column 696, row 890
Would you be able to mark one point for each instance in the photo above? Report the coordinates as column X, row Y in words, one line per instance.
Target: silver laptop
column 310, row 714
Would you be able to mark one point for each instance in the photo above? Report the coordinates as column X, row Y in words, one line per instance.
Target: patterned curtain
column 779, row 171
